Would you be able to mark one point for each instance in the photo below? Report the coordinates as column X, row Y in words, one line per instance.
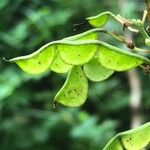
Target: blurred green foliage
column 27, row 119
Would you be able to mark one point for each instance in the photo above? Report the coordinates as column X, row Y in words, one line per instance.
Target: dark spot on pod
column 69, row 91
column 72, row 97
column 39, row 63
column 77, row 73
column 109, row 61
column 75, row 90
column 79, row 55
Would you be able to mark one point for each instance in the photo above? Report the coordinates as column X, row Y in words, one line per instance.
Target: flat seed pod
column 115, row 59
column 114, row 144
column 67, row 55
column 37, row 62
column 99, row 20
column 137, row 138
column 77, row 53
column 59, row 66
column 88, row 35
column 74, row 91
column 91, row 36
column 95, row 71
column 134, row 139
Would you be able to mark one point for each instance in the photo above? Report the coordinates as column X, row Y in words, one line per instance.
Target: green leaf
column 133, row 139
column 114, row 58
column 95, row 71
column 59, row 66
column 99, row 20
column 74, row 91
column 37, row 62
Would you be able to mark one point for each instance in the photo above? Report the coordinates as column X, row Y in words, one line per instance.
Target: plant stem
column 142, row 31
column 148, row 10
column 141, row 50
column 127, row 43
column 144, row 17
column 133, row 26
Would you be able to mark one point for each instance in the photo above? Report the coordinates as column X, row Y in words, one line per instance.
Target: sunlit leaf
column 116, row 59
column 37, row 62
column 99, row 20
column 95, row 71
column 74, row 91
column 133, row 139
column 59, row 66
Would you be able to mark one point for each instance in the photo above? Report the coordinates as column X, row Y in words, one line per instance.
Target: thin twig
column 144, row 17
column 148, row 10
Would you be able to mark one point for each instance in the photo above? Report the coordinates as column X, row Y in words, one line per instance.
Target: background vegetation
column 27, row 119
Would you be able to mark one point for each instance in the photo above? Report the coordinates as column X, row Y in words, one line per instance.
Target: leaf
column 74, row 91
column 114, row 58
column 99, row 20
column 59, row 66
column 95, row 71
column 37, row 62
column 133, row 139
